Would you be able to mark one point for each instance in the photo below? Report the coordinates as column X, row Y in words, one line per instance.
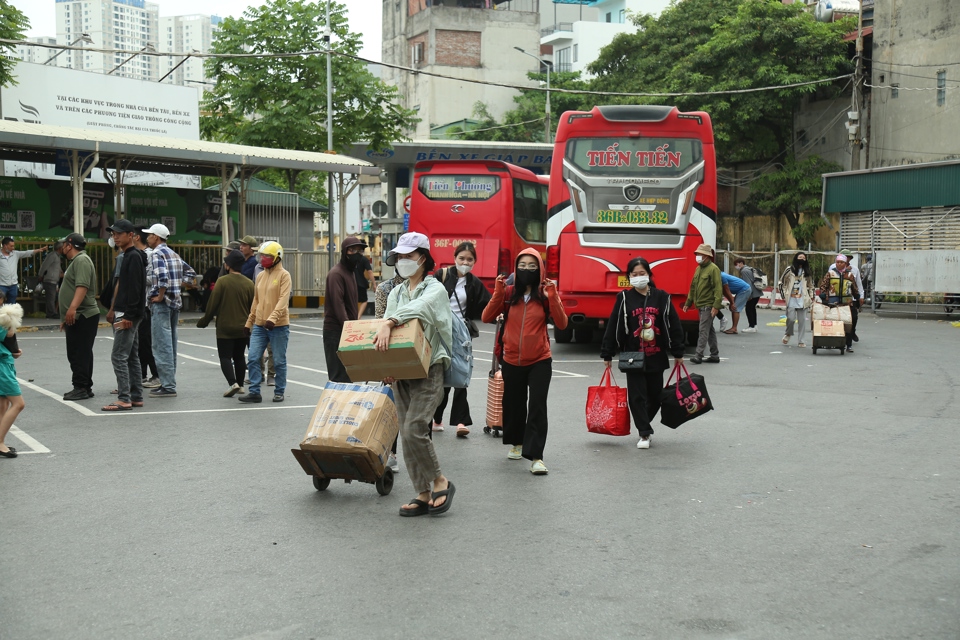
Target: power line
column 502, row 126
column 318, row 52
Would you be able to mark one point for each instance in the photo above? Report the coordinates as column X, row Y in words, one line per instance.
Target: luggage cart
column 830, row 327
column 326, row 466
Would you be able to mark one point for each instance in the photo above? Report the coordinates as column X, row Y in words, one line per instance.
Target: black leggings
column 145, row 347
column 643, row 397
column 459, row 412
column 233, row 362
column 752, row 311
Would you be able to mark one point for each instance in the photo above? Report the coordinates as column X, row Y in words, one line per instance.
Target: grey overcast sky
column 364, row 16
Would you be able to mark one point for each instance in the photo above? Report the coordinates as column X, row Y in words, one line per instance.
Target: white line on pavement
column 27, row 440
column 50, row 394
column 306, row 326
column 304, row 333
column 289, row 366
column 241, row 408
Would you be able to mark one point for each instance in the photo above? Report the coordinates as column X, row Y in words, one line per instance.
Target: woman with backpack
column 643, row 320
column 796, row 286
column 423, row 298
column 468, row 297
column 525, row 356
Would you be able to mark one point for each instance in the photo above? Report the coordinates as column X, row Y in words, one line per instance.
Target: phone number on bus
column 632, row 217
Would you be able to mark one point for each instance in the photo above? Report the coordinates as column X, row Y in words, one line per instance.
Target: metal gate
column 273, row 215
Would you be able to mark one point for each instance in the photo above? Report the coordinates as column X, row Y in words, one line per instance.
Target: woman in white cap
column 424, row 299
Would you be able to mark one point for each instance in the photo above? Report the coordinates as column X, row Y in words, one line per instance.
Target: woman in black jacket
column 468, row 297
column 644, row 319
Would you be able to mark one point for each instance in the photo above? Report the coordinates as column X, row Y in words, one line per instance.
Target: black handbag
column 629, row 360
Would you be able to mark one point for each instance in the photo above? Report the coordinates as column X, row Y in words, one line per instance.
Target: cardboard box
column 352, row 421
column 408, row 357
column 828, row 328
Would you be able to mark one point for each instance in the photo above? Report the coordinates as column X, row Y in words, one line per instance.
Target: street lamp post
column 149, row 48
column 84, row 37
column 547, row 65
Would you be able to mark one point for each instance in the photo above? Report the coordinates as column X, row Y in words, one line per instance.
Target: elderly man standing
column 50, row 273
column 706, row 292
column 167, row 274
column 128, row 312
column 79, row 315
column 248, row 247
column 9, row 260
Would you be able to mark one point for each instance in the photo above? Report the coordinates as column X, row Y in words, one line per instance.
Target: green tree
column 13, row 23
column 281, row 101
column 791, row 192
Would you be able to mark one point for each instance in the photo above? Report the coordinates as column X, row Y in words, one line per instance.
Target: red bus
column 499, row 207
column 628, row 181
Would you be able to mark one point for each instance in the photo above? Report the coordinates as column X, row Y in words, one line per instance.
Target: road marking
column 225, row 409
column 289, row 366
column 50, row 394
column 305, row 326
column 27, row 440
column 304, row 333
column 289, row 381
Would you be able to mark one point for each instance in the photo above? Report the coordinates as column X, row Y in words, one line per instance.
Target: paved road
column 820, row 500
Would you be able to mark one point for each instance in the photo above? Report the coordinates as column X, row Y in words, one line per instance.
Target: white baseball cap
column 158, row 230
column 406, row 243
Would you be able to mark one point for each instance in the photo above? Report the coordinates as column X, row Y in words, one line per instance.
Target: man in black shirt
column 128, row 311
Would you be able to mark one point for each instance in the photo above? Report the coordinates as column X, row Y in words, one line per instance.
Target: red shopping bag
column 607, row 411
column 685, row 400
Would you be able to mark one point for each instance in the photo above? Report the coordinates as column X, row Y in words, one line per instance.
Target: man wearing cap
column 248, row 247
column 79, row 315
column 9, row 260
column 706, row 292
column 839, row 287
column 167, row 274
column 340, row 304
column 128, row 312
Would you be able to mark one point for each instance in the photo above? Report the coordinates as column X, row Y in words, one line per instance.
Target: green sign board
column 41, row 208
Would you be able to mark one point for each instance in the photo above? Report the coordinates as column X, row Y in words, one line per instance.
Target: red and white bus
column 499, row 207
column 628, row 181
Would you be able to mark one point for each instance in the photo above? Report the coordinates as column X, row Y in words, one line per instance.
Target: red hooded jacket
column 525, row 337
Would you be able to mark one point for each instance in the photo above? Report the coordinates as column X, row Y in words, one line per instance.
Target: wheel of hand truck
column 385, row 482
column 320, row 484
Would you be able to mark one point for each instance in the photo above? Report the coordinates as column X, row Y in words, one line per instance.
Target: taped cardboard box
column 407, row 358
column 353, row 420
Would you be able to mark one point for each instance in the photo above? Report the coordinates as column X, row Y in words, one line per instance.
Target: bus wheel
column 562, row 336
column 583, row 335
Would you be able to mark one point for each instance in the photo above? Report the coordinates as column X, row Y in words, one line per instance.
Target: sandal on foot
column 116, row 406
column 137, row 403
column 448, row 492
column 422, row 509
column 730, row 332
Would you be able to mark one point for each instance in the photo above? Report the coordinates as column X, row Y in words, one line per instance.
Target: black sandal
column 448, row 492
column 12, row 453
column 422, row 509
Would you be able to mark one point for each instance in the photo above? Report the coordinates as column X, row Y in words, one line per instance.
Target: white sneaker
column 538, row 468
column 232, row 391
column 392, row 463
column 516, row 453
column 644, row 443
column 750, row 330
column 438, row 426
column 723, row 324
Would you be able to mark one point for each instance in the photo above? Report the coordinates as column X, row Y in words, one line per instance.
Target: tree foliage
column 13, row 24
column 281, row 101
column 792, row 191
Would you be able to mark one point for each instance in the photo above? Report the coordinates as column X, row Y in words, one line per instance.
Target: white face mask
column 464, row 269
column 110, row 241
column 639, row 282
column 407, row 267
column 699, row 259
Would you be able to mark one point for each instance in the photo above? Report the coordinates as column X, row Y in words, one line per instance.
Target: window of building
column 895, row 92
column 609, row 17
column 941, row 87
column 623, row 16
column 562, row 60
column 576, row 48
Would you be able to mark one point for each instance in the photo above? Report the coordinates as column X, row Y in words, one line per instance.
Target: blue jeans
column 9, row 293
column 277, row 338
column 163, row 332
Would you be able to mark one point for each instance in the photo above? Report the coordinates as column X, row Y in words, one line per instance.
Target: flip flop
column 422, row 509
column 448, row 492
column 116, row 406
column 730, row 333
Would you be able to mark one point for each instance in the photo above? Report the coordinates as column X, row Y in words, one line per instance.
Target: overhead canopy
column 929, row 184
column 41, row 142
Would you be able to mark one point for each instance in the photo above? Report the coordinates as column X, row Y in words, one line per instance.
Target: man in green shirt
column 230, row 302
column 706, row 292
column 79, row 314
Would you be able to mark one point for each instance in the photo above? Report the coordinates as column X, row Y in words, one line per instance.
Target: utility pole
column 328, row 32
column 855, row 124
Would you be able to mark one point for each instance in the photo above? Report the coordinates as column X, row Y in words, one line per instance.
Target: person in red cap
column 340, row 304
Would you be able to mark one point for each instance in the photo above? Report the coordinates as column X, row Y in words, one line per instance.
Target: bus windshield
column 634, row 157
column 459, row 187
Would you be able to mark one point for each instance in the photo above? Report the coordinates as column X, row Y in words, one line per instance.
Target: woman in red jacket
column 525, row 355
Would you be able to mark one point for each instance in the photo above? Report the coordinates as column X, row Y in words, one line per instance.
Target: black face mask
column 528, row 278
column 800, row 264
column 352, row 259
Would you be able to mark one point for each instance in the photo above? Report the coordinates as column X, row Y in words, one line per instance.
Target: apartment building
column 130, row 25
column 186, row 34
